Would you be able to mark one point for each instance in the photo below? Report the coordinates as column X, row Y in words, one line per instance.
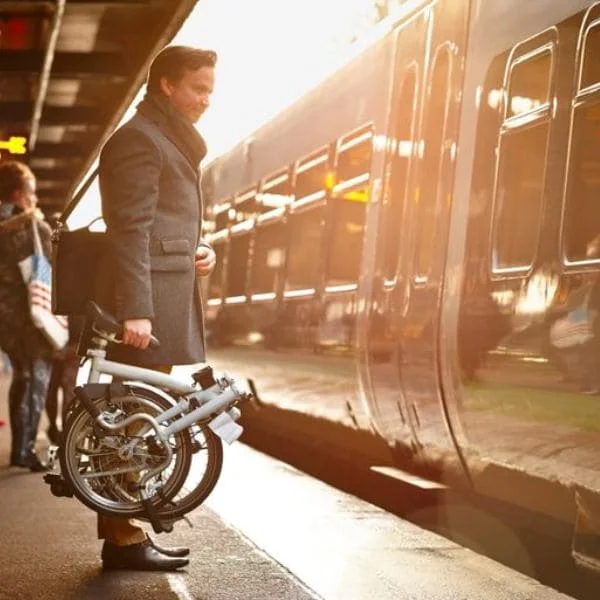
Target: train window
column 304, row 258
column 400, row 154
column 529, row 87
column 590, row 73
column 275, row 192
column 221, row 214
column 246, row 205
column 347, row 238
column 215, row 284
column 268, row 258
column 208, row 227
column 519, row 196
column 519, row 192
column 582, row 217
column 354, row 157
column 237, row 264
column 350, row 197
column 430, row 203
column 310, row 175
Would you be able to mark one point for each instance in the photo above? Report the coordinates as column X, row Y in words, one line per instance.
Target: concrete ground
column 268, row 532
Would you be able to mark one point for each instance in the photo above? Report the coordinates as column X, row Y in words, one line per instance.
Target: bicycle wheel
column 207, row 462
column 100, row 477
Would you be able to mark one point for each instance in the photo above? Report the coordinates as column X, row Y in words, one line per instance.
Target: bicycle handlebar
column 105, row 322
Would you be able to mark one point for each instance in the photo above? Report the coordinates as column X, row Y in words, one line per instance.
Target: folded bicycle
column 147, row 445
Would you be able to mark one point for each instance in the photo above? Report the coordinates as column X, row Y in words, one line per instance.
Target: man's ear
column 166, row 87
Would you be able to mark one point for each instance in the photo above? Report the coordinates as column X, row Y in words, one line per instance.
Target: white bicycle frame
column 211, row 401
column 215, row 402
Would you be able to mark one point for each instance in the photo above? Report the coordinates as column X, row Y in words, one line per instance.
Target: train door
column 415, row 294
column 388, row 406
column 430, row 216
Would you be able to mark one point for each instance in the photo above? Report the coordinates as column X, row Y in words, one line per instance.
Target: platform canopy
column 69, row 69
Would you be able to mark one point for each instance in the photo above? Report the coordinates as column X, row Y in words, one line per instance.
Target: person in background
column 27, row 349
column 65, row 364
column 149, row 174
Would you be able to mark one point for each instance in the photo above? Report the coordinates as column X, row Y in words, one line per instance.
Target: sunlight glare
column 270, row 52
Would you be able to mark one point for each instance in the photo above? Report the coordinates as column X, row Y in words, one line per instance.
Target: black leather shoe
column 176, row 552
column 139, row 557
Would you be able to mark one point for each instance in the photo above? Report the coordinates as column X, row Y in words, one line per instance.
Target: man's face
column 190, row 95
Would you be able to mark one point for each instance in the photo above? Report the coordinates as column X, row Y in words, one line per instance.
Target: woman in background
column 27, row 349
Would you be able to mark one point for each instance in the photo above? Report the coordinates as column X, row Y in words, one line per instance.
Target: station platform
column 268, row 532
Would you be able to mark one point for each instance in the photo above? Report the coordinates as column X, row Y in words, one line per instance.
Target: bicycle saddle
column 105, row 322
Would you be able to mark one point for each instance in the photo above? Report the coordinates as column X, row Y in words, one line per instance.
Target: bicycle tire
column 178, row 508
column 80, row 418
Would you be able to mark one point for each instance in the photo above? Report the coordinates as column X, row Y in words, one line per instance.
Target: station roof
column 69, row 69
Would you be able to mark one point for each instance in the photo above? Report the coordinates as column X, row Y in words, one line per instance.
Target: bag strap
column 74, row 201
column 37, row 242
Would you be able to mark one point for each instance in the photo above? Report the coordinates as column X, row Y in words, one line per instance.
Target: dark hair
column 14, row 176
column 173, row 61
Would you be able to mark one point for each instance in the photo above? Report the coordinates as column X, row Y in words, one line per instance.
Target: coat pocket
column 175, row 246
column 172, row 255
column 170, row 262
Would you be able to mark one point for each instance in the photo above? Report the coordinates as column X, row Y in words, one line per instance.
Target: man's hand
column 205, row 261
column 136, row 332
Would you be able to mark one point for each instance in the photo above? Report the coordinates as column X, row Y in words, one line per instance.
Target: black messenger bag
column 75, row 258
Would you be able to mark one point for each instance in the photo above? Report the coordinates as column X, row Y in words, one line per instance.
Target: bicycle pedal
column 51, row 456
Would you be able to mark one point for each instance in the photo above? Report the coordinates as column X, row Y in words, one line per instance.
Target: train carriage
column 437, row 247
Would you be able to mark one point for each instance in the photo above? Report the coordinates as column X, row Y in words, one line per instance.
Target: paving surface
column 267, row 532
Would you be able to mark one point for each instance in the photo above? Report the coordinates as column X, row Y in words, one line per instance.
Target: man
column 151, row 202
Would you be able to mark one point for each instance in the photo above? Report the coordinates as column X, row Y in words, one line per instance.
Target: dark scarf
column 175, row 126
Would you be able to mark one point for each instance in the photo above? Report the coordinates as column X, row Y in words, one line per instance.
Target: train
column 412, row 250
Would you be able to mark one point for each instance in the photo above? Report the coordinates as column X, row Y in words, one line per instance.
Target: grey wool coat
column 152, row 206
